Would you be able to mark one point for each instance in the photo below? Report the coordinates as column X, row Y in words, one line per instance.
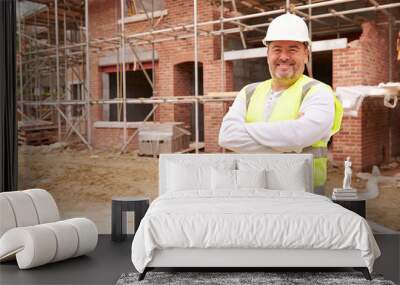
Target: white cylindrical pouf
column 34, row 246
column 45, row 205
column 87, row 234
column 67, row 239
column 23, row 207
column 7, row 218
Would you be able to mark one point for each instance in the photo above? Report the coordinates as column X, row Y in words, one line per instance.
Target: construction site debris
column 353, row 96
column 163, row 138
column 36, row 133
column 58, row 145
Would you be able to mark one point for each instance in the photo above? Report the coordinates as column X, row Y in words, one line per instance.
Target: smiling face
column 286, row 60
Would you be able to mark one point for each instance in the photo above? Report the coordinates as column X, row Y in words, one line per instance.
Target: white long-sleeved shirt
column 284, row 136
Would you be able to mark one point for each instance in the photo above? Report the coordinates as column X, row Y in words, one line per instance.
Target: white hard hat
column 287, row 27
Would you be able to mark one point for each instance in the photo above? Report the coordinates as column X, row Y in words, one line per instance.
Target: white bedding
column 250, row 219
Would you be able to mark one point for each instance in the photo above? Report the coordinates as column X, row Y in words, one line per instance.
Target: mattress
column 250, row 219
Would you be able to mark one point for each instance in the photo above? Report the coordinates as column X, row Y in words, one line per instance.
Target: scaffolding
column 55, row 50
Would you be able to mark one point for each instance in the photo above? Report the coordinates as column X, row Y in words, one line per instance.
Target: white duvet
column 250, row 219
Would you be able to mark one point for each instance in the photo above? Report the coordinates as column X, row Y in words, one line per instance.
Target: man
column 290, row 112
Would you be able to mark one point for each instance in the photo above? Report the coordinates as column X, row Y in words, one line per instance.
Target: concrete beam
column 111, row 57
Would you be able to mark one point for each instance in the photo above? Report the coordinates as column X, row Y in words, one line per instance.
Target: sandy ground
column 84, row 182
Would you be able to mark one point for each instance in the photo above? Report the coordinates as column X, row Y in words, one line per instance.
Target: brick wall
column 348, row 142
column 366, row 138
column 215, row 111
column 373, row 136
column 347, row 65
column 183, row 86
column 213, row 115
column 375, row 133
column 176, row 58
column 365, row 61
column 101, row 24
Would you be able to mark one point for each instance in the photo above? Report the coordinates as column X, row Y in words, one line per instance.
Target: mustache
column 285, row 62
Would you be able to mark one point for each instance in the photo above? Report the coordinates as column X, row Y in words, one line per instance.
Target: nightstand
column 357, row 206
column 121, row 205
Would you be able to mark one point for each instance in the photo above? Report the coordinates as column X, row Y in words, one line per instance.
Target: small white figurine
column 347, row 174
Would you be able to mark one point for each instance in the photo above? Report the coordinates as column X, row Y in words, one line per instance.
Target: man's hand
column 300, row 114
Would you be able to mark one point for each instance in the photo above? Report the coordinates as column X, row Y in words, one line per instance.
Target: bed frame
column 241, row 259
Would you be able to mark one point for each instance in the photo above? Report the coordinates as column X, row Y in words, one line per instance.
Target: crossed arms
column 314, row 124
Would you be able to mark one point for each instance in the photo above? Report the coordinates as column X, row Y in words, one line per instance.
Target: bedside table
column 357, row 206
column 121, row 205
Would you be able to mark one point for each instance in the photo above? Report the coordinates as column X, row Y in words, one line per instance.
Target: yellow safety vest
column 287, row 108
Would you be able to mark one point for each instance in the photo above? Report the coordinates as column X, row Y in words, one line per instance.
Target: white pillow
column 251, row 178
column 186, row 177
column 223, row 179
column 282, row 174
column 294, row 180
column 227, row 179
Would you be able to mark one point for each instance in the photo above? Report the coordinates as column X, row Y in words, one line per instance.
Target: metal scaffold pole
column 57, row 67
column 21, row 90
column 196, row 77
column 309, row 65
column 222, row 47
column 123, row 69
column 390, row 31
column 153, row 78
column 221, row 17
column 87, row 76
column 68, row 109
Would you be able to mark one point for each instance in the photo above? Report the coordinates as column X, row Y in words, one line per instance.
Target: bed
column 247, row 210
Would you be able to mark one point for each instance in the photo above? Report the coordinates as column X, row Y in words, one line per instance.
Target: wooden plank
column 191, row 148
column 36, row 133
column 216, row 95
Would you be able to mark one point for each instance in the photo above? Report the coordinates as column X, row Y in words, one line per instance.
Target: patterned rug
column 242, row 278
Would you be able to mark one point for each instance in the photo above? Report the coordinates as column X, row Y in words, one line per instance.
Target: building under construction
column 102, row 70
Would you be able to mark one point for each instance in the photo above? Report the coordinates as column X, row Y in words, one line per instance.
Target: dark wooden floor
column 103, row 266
column 111, row 259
